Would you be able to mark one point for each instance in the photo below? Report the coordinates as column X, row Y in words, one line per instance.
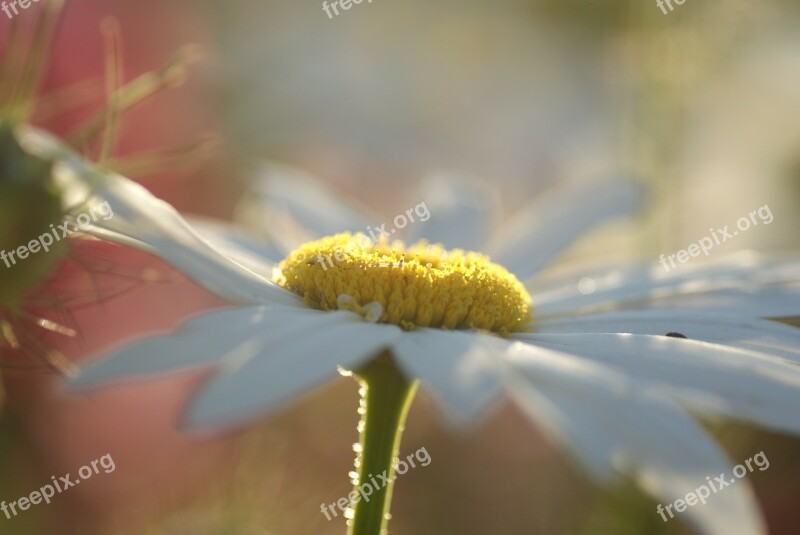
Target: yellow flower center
column 420, row 285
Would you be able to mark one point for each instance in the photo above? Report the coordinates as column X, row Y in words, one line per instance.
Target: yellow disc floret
column 421, row 285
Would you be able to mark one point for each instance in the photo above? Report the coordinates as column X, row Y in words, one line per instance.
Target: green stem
column 386, row 397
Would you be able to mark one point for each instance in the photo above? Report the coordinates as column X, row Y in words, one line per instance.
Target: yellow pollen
column 421, row 285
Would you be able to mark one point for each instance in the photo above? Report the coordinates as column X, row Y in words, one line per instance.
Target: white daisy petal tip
column 203, row 419
column 546, row 226
column 307, row 207
column 462, row 371
column 618, row 426
column 458, row 212
column 265, row 377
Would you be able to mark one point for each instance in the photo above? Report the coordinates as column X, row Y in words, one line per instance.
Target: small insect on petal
column 676, row 335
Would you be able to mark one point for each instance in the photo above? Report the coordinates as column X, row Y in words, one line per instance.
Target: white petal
column 142, row 217
column 200, row 341
column 141, row 220
column 255, row 254
column 305, row 208
column 462, row 370
column 769, row 302
column 255, row 383
column 460, row 212
column 632, row 286
column 541, row 230
column 617, row 427
column 709, row 378
column 729, row 329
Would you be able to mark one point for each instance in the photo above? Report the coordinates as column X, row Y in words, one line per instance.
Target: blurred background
column 701, row 104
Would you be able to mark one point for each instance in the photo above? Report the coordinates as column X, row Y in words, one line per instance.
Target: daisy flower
column 613, row 365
